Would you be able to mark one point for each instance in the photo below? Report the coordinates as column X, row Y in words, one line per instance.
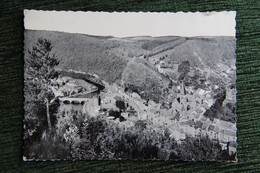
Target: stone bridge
column 79, row 98
column 73, row 100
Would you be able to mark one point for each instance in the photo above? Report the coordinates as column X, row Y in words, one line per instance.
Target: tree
column 121, row 105
column 200, row 148
column 216, row 110
column 39, row 71
column 184, row 69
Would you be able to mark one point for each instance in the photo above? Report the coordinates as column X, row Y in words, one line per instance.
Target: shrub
column 200, row 148
column 100, row 138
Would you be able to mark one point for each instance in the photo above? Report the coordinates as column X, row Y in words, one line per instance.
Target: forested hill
column 109, row 56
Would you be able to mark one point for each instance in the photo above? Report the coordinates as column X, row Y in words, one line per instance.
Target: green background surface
column 248, row 86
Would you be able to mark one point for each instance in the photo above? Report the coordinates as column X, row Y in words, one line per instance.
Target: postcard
column 129, row 86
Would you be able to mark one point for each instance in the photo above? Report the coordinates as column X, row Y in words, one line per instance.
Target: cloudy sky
column 123, row 24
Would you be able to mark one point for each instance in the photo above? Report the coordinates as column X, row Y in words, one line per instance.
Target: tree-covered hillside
column 108, row 56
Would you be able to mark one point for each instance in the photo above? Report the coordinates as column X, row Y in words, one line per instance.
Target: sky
column 130, row 24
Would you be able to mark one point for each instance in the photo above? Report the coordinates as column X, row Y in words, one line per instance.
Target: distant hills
column 115, row 59
column 104, row 56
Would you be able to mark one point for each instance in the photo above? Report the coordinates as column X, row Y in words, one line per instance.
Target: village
column 183, row 117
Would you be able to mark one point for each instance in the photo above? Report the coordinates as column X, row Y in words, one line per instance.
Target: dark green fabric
column 248, row 86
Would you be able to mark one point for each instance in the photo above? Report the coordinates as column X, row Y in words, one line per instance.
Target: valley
column 182, row 87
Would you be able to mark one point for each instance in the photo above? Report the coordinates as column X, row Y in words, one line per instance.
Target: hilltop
column 109, row 56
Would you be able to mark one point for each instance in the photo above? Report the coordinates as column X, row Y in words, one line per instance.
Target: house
column 181, row 104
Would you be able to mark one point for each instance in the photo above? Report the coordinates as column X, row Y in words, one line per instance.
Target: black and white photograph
column 129, row 86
